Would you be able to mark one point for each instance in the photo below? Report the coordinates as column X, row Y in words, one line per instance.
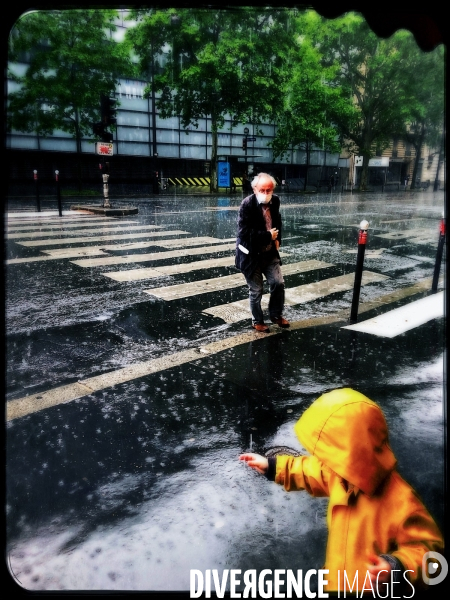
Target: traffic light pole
column 244, row 144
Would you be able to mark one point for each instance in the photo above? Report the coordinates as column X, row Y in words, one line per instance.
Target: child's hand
column 376, row 565
column 255, row 461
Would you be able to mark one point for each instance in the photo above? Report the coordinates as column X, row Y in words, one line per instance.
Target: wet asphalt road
column 131, row 486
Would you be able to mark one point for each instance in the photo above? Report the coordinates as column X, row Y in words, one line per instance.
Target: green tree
column 313, row 98
column 375, row 72
column 424, row 123
column 219, row 62
column 72, row 60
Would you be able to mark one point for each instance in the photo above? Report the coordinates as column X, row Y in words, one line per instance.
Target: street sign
column 104, row 149
column 251, row 139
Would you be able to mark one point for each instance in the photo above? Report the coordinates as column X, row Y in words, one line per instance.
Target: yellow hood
column 349, row 434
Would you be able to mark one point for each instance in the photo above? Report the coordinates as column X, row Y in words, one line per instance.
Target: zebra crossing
column 173, row 244
column 176, row 244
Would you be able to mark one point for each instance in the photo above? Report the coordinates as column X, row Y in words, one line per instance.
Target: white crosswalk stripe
column 429, row 233
column 38, row 219
column 151, row 256
column 137, row 274
column 198, row 241
column 65, row 225
column 81, row 240
column 30, row 259
column 238, row 311
column 42, row 234
column 194, row 288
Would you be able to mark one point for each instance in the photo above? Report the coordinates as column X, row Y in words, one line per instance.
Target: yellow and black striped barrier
column 197, row 181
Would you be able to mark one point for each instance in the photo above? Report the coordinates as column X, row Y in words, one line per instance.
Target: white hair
column 264, row 175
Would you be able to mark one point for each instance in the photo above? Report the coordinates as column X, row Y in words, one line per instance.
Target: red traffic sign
column 104, row 149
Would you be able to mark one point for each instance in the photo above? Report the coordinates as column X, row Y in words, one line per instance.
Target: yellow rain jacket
column 371, row 508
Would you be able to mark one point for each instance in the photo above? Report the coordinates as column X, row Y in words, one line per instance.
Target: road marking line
column 81, row 240
column 73, row 252
column 240, row 310
column 319, row 289
column 408, row 233
column 93, row 250
column 36, row 402
column 193, row 288
column 101, row 229
column 403, row 319
column 194, row 241
column 136, row 274
column 46, row 217
column 369, row 253
column 284, row 206
column 425, row 239
column 63, row 226
column 19, row 261
column 152, row 256
column 405, row 220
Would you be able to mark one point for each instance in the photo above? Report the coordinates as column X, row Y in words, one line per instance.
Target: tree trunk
column 436, row 179
column 78, row 143
column 307, row 148
column 364, row 173
column 418, row 149
column 213, row 170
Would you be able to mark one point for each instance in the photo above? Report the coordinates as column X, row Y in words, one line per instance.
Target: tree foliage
column 377, row 75
column 424, row 122
column 71, row 60
column 314, row 100
column 218, row 62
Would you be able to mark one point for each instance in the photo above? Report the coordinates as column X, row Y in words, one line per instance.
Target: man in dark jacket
column 257, row 244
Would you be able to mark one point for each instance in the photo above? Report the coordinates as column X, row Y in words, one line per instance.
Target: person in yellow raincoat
column 378, row 528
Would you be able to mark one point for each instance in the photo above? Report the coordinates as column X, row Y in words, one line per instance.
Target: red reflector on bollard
column 362, row 237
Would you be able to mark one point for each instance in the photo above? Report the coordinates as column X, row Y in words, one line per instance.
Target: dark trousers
column 272, row 271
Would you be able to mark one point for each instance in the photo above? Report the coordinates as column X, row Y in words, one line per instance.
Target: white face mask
column 263, row 198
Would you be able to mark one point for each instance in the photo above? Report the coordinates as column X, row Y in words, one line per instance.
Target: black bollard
column 36, row 181
column 437, row 265
column 58, row 193
column 362, row 240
